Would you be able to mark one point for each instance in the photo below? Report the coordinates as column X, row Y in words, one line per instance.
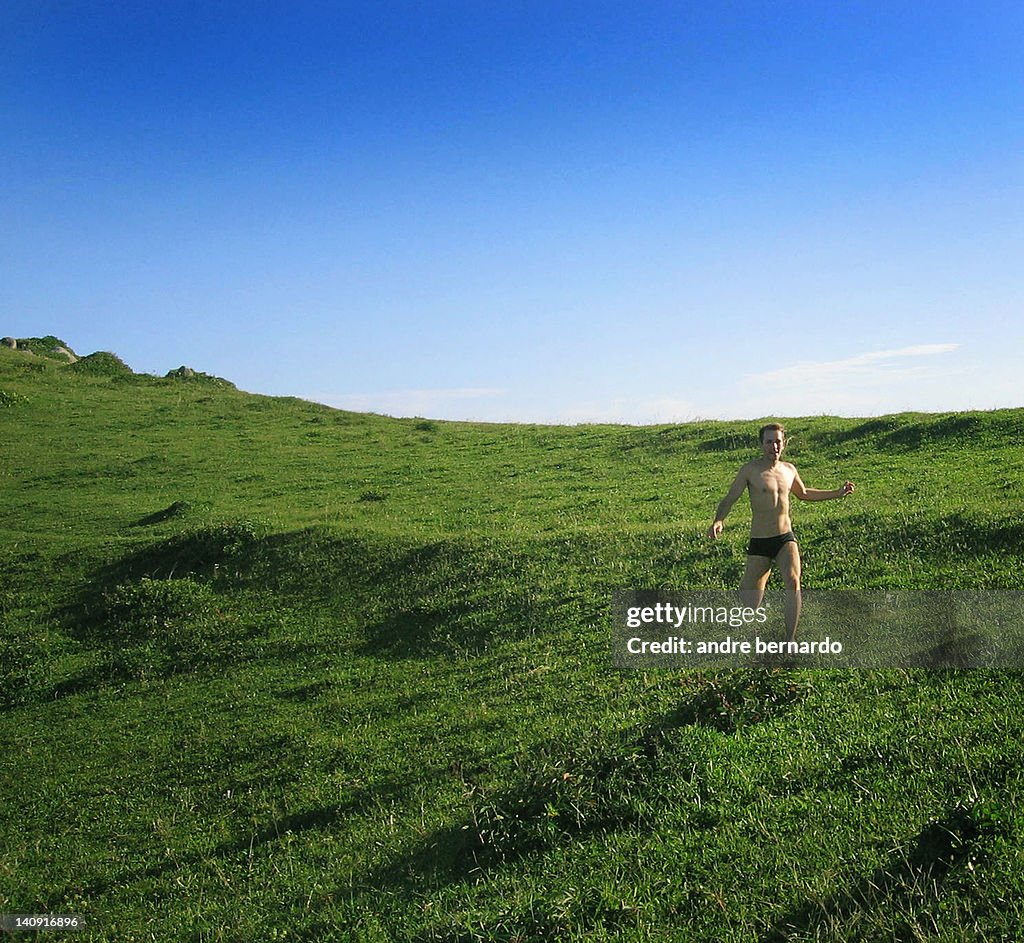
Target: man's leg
column 789, row 566
column 755, row 578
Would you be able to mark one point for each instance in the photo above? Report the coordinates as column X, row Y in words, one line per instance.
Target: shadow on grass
column 453, row 626
column 320, row 819
column 177, row 604
column 418, row 632
column 412, row 601
column 955, row 536
column 563, row 793
column 229, row 555
column 177, row 509
column 908, row 432
column 730, row 442
column 909, row 882
column 189, row 560
column 730, row 701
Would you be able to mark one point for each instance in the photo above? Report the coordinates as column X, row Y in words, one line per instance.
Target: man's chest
column 773, row 484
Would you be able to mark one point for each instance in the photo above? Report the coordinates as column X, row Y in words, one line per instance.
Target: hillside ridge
column 58, row 352
column 907, row 428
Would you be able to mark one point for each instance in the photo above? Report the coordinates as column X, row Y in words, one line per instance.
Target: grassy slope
column 275, row 671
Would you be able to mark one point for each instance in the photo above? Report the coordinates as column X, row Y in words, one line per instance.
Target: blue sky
column 526, row 211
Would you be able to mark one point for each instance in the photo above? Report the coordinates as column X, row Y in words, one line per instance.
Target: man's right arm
column 737, row 488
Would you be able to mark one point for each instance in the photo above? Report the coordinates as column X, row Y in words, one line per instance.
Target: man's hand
column 715, row 529
column 846, row 489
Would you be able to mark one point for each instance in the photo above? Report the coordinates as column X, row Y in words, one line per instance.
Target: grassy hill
column 273, row 671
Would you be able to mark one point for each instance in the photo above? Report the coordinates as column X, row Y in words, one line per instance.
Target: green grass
column 273, row 671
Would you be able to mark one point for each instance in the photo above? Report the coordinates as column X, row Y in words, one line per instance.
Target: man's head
column 773, row 440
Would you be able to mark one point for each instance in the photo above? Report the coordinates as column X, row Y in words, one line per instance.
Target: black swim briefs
column 769, row 546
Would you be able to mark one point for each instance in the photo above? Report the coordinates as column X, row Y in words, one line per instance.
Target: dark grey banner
column 870, row 628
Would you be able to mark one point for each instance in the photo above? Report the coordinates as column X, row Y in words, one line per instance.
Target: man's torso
column 769, row 489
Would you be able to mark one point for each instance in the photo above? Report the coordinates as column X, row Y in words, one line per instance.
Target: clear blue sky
column 536, row 210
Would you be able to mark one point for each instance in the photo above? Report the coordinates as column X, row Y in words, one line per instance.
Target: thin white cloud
column 918, row 377
column 874, row 366
column 921, row 377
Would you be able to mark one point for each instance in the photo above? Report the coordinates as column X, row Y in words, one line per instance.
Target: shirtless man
column 770, row 482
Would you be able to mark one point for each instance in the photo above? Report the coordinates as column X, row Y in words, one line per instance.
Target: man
column 770, row 482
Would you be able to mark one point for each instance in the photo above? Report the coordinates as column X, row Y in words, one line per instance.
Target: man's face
column 772, row 444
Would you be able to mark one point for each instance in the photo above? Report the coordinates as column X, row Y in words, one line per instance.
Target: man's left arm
column 816, row 494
